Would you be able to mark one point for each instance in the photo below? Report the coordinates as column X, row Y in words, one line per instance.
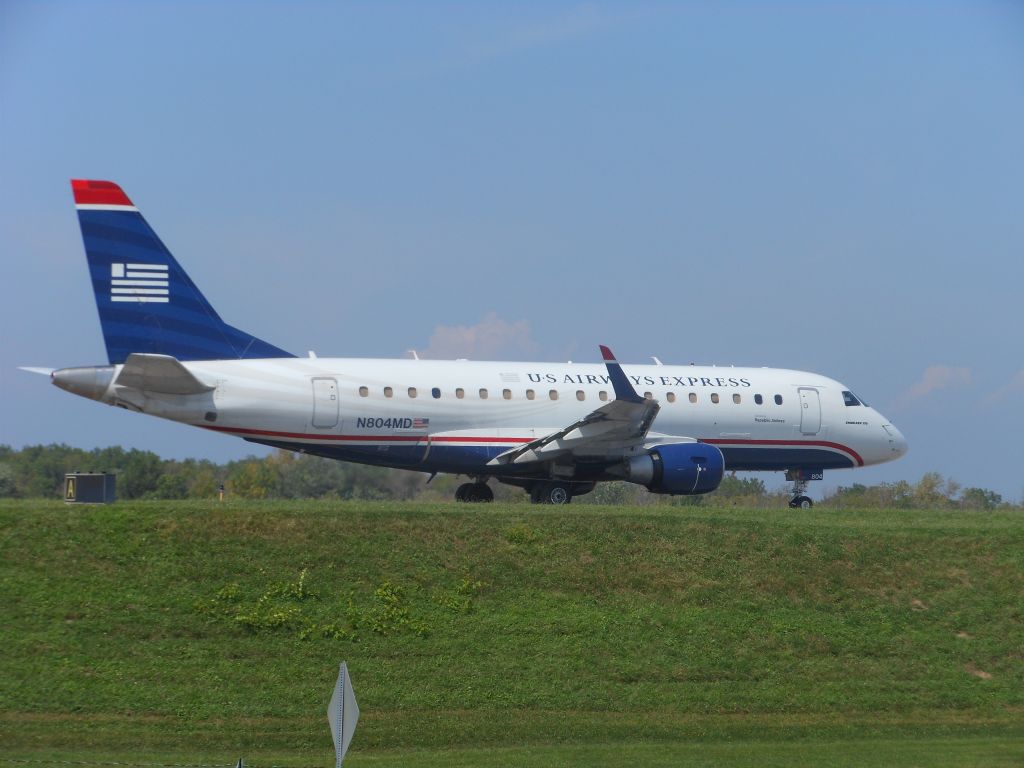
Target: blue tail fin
column 146, row 301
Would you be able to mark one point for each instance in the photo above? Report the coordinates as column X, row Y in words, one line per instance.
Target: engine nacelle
column 678, row 468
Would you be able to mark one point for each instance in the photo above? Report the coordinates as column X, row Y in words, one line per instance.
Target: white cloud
column 578, row 22
column 1016, row 384
column 566, row 26
column 934, row 378
column 490, row 339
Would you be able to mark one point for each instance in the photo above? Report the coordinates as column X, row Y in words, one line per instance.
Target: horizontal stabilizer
column 159, row 373
column 34, row 369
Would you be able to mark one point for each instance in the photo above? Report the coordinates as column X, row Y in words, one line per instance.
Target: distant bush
column 38, row 471
column 932, row 491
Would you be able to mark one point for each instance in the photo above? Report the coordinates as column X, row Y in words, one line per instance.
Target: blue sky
column 827, row 186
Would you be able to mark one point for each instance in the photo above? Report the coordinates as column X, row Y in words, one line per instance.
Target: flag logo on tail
column 139, row 283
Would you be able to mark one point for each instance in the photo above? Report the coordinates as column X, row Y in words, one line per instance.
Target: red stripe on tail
column 98, row 193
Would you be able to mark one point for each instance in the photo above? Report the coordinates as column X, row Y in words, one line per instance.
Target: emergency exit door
column 325, row 403
column 810, row 411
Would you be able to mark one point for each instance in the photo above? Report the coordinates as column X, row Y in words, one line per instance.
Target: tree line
column 38, row 472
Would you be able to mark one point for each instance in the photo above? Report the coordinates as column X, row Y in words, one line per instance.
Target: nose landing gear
column 800, row 478
column 801, row 502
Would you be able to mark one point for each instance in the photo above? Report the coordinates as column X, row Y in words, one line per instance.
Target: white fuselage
column 456, row 416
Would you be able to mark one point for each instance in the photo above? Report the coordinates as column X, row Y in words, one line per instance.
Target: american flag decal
column 420, row 423
column 139, row 282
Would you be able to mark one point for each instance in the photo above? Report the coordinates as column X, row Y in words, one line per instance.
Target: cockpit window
column 850, row 399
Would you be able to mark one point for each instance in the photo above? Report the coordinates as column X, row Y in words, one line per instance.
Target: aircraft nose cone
column 897, row 442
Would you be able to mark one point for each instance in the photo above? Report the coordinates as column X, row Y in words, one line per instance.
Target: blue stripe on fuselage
column 472, row 459
column 754, row 459
column 455, row 459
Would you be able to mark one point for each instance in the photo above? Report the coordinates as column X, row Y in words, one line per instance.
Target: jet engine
column 677, row 468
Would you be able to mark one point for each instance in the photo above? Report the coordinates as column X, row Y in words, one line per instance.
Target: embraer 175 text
column 553, row 429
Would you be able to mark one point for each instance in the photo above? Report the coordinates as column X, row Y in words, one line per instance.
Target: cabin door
column 810, row 411
column 325, row 403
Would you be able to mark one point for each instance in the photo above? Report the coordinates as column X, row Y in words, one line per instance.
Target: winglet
column 623, row 389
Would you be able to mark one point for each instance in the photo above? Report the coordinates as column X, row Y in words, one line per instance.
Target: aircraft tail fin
column 146, row 301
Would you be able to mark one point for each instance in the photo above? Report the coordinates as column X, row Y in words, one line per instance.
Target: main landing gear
column 474, row 493
column 541, row 491
column 552, row 492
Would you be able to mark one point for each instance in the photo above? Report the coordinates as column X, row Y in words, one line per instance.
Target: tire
column 551, row 493
column 479, row 493
column 474, row 493
column 804, row 502
column 559, row 494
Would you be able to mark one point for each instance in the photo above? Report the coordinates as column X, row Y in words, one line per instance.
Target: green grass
column 508, row 634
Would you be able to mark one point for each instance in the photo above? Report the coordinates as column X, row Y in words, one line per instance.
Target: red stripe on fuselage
column 366, row 438
column 786, row 443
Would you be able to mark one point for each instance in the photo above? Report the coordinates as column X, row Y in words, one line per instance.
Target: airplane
column 555, row 430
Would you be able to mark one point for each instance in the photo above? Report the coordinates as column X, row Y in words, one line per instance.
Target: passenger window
column 758, row 399
column 507, row 394
column 602, row 395
column 553, row 394
column 778, row 399
column 412, row 391
column 693, row 397
column 435, row 393
column 364, row 391
column 714, row 397
column 648, row 396
column 736, row 399
column 460, row 393
column 530, row 394
column 671, row 397
column 388, row 392
column 483, row 394
column 850, row 399
column 581, row 395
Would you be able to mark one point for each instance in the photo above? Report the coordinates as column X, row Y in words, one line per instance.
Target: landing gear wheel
column 551, row 493
column 800, row 479
column 481, row 493
column 474, row 493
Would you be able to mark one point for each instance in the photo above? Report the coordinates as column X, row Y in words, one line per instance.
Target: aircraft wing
column 623, row 422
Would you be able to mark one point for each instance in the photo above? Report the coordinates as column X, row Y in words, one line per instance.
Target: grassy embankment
column 511, row 634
